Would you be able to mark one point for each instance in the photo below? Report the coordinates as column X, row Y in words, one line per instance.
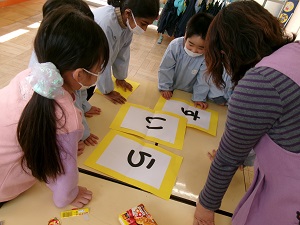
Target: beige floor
column 146, row 54
column 15, row 53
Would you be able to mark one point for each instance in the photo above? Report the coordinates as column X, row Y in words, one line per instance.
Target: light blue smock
column 214, row 92
column 228, row 85
column 180, row 71
column 119, row 40
column 80, row 100
column 84, row 106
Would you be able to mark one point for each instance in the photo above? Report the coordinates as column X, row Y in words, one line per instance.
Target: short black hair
column 80, row 5
column 198, row 25
column 139, row 8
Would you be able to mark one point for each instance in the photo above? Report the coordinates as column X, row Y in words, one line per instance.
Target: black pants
column 2, row 203
column 90, row 92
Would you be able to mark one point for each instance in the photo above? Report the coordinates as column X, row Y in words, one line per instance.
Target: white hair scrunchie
column 45, row 79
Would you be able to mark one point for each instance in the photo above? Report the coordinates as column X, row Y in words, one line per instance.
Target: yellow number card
column 129, row 159
column 162, row 127
column 204, row 120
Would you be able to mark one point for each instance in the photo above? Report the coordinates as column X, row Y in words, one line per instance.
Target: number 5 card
column 129, row 159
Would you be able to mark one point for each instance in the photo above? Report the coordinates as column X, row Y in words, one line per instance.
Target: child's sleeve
column 216, row 94
column 86, row 106
column 121, row 63
column 82, row 104
column 201, row 86
column 220, row 96
column 105, row 83
column 228, row 86
column 166, row 70
column 86, row 132
column 65, row 187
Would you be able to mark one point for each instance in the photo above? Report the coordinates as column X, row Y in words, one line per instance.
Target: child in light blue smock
column 119, row 21
column 183, row 66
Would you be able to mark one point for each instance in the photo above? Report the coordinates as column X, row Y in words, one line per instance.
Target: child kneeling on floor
column 183, row 66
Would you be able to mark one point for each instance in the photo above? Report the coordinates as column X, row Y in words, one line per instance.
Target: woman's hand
column 115, row 97
column 124, row 84
column 203, row 216
column 93, row 111
column 84, row 196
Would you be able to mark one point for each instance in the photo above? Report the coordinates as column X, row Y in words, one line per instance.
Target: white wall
column 273, row 6
column 294, row 23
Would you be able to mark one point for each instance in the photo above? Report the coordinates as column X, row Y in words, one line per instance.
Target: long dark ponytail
column 70, row 40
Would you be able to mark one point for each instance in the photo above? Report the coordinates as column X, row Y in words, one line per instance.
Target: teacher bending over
column 263, row 114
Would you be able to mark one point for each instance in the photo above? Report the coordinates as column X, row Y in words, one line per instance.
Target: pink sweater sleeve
column 65, row 187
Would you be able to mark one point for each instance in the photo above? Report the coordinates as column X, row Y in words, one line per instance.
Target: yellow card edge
column 126, row 95
column 160, row 103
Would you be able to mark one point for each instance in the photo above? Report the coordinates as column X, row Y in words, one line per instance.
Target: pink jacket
column 13, row 179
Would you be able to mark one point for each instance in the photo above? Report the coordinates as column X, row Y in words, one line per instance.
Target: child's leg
column 160, row 38
column 249, row 161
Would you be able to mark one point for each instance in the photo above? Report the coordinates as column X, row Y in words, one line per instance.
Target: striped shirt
column 264, row 101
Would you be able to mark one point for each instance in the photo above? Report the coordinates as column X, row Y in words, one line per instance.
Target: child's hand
column 124, row 84
column 81, row 148
column 84, row 196
column 201, row 105
column 166, row 94
column 91, row 140
column 115, row 97
column 93, row 111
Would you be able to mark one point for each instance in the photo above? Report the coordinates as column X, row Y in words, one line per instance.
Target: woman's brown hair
column 240, row 35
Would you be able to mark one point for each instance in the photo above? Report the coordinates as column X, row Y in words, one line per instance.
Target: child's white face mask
column 190, row 53
column 137, row 29
column 83, row 87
